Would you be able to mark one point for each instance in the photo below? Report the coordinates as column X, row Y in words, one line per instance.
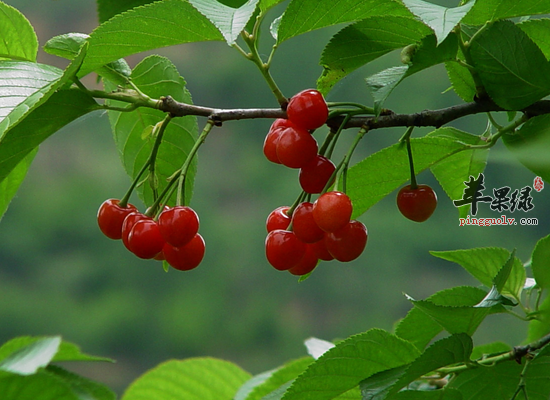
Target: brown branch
column 435, row 118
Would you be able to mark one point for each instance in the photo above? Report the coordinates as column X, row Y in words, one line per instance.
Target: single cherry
column 417, row 204
column 129, row 223
column 145, row 240
column 283, row 249
column 185, row 257
column 307, row 109
column 110, row 217
column 278, row 219
column 315, row 175
column 332, row 211
column 347, row 243
column 321, row 250
column 303, row 224
column 307, row 264
column 178, row 225
column 296, row 147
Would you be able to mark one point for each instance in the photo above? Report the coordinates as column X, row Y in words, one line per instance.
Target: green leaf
column 271, row 380
column 67, row 351
column 230, row 21
column 19, row 40
column 539, row 32
column 442, row 20
column 377, row 386
column 160, row 24
column 540, row 326
column 379, row 174
column 106, row 9
column 489, row 349
column 452, row 172
column 485, row 263
column 303, row 16
column 513, row 70
column 492, row 10
column 86, row 389
column 349, row 362
column 428, row 54
column 27, row 360
column 365, row 41
column 156, row 76
column 540, row 262
column 69, row 45
column 40, row 386
column 267, row 4
column 11, row 183
column 531, row 144
column 441, row 394
column 461, row 80
column 191, row 379
column 499, row 281
column 418, row 328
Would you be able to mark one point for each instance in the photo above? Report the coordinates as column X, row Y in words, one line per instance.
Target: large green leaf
column 11, row 183
column 106, row 9
column 513, row 70
column 539, row 32
column 160, row 24
column 28, row 359
column 442, row 394
column 86, row 389
column 485, row 263
column 461, row 80
column 156, row 76
column 531, row 144
column 349, row 362
column 452, row 172
column 492, row 10
column 427, row 54
column 379, row 174
column 541, row 326
column 18, row 37
column 540, row 263
column 442, row 20
column 40, row 386
column 303, row 16
column 365, row 41
column 418, row 328
column 191, row 379
column 230, row 21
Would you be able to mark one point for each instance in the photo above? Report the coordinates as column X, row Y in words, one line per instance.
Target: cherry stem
column 407, row 139
column 149, row 164
column 345, row 162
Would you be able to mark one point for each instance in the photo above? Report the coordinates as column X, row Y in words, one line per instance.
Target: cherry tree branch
column 435, row 118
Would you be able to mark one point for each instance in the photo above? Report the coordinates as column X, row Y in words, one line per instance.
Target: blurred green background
column 60, row 275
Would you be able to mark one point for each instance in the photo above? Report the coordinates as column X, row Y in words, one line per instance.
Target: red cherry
column 417, row 204
column 296, row 147
column 178, row 225
column 347, row 243
column 332, row 211
column 129, row 223
column 307, row 264
column 278, row 219
column 185, row 257
column 270, row 145
column 280, row 123
column 303, row 224
column 315, row 175
column 307, row 109
column 110, row 217
column 283, row 249
column 145, row 240
column 321, row 251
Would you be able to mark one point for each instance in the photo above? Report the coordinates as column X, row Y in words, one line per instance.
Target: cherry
column 347, row 243
column 303, row 224
column 272, row 137
column 145, row 240
column 307, row 109
column 332, row 211
column 185, row 257
column 417, row 204
column 110, row 217
column 315, row 175
column 278, row 219
column 283, row 249
column 296, row 147
column 178, row 225
column 129, row 223
column 307, row 264
column 321, row 251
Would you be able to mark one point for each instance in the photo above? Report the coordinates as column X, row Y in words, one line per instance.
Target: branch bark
column 434, row 118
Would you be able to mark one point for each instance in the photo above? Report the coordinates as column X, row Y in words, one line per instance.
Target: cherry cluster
column 172, row 237
column 298, row 238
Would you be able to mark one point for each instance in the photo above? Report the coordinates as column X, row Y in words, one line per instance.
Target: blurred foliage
column 60, row 275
